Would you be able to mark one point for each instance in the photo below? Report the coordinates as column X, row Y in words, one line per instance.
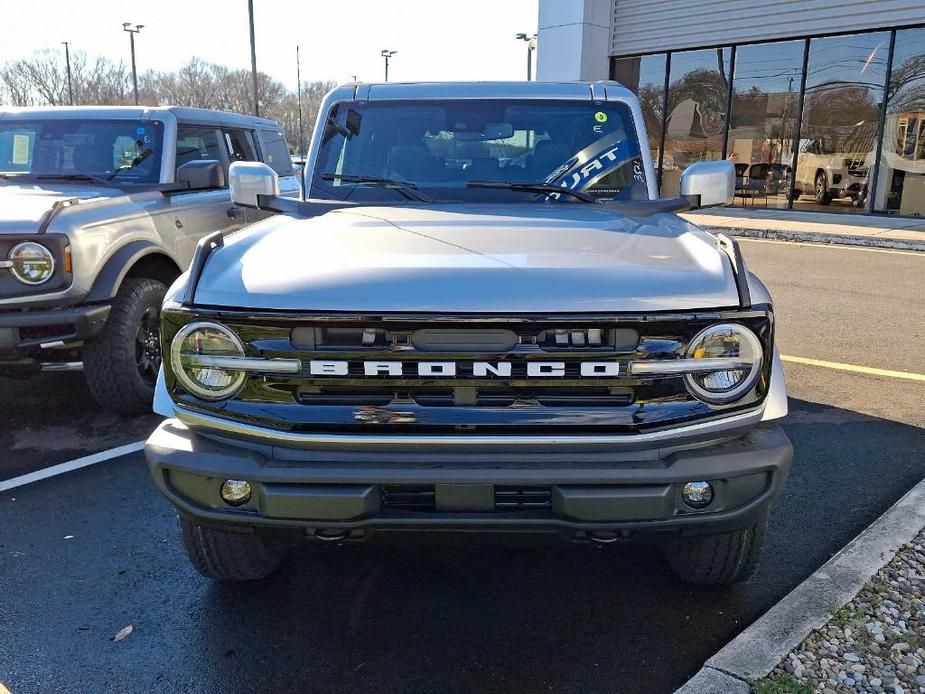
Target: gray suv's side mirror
column 248, row 179
column 713, row 181
column 202, row 174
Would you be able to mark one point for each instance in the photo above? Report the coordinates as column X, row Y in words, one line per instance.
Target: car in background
column 101, row 209
column 830, row 169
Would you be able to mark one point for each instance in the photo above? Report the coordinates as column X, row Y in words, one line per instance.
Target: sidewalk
column 811, row 640
column 818, row 227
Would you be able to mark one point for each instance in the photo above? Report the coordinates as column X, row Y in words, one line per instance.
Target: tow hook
column 604, row 537
column 337, row 534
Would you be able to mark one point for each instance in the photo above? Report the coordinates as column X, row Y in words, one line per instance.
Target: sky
column 435, row 39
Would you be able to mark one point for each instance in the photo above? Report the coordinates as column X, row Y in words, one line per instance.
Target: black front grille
column 487, row 392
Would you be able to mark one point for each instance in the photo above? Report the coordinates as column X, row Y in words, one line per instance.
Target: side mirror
column 248, row 179
column 202, row 174
column 712, row 181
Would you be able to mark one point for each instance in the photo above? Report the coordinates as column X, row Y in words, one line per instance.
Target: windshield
column 438, row 147
column 125, row 151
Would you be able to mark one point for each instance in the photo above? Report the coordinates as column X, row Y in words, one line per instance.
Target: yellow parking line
column 856, row 369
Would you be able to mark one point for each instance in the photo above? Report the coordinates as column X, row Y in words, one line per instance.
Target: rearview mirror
column 248, row 179
column 202, row 174
column 712, row 181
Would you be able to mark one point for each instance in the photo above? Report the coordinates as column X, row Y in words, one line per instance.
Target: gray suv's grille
column 494, row 386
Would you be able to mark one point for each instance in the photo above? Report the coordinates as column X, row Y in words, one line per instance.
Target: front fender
column 109, row 278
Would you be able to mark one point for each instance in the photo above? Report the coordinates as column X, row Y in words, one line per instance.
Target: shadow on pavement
column 497, row 614
column 51, row 418
column 409, row 614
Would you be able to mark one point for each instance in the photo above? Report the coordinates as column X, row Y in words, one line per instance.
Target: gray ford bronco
column 481, row 317
column 100, row 210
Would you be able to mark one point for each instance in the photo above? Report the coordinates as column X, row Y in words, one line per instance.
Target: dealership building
column 820, row 104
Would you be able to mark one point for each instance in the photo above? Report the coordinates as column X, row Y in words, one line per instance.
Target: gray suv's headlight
column 199, row 356
column 727, row 341
column 31, row 263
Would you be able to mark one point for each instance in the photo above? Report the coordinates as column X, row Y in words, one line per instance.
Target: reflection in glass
column 697, row 93
column 645, row 76
column 841, row 112
column 765, row 103
column 901, row 183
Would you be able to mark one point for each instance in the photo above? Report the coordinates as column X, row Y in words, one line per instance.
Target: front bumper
column 636, row 492
column 26, row 333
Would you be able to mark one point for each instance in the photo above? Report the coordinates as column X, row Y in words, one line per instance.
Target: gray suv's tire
column 119, row 378
column 719, row 559
column 226, row 555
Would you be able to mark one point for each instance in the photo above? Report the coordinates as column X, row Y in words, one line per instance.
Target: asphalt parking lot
column 86, row 553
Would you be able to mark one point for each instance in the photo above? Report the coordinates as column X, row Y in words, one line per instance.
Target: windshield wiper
column 72, row 177
column 406, row 188
column 532, row 188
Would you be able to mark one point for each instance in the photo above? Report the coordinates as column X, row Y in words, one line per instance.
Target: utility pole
column 298, row 76
column 132, row 30
column 531, row 46
column 387, row 54
column 67, row 60
column 250, row 15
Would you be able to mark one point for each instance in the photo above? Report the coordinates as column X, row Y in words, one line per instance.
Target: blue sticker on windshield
column 594, row 162
column 139, row 131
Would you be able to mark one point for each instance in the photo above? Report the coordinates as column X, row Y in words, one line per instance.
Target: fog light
column 236, row 492
column 697, row 494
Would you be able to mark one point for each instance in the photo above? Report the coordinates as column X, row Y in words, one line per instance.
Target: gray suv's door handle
column 234, row 211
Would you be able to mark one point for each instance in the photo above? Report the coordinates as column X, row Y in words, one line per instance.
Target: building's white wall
column 573, row 41
column 645, row 26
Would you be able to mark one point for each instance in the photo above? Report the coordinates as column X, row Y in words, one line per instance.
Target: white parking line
column 76, row 464
column 907, row 375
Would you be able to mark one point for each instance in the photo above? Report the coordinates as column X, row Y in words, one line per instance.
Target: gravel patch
column 875, row 643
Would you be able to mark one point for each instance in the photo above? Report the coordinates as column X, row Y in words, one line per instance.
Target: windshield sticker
column 595, row 161
column 600, row 117
column 20, row 149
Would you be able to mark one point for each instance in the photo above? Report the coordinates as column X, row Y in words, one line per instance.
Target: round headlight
column 32, row 263
column 725, row 341
column 196, row 375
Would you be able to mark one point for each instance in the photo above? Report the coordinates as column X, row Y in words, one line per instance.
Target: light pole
column 531, row 46
column 298, row 77
column 386, row 53
column 250, row 16
column 67, row 60
column 132, row 30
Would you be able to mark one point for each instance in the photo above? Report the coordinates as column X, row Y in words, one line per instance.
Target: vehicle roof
column 181, row 113
column 591, row 91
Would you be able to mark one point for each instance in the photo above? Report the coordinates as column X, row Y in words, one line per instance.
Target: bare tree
column 42, row 80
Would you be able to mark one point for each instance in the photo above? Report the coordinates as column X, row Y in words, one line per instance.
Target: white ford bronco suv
column 101, row 209
column 479, row 318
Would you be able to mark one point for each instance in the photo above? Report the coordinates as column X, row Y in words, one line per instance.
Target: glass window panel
column 841, row 114
column 901, row 183
column 762, row 128
column 697, row 93
column 645, row 76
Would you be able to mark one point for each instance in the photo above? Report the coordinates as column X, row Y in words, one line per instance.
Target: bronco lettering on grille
column 476, row 369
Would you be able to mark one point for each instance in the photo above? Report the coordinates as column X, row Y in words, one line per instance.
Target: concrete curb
column 757, row 650
column 821, row 237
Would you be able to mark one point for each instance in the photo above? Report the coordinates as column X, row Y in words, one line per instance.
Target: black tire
column 821, row 190
column 225, row 555
column 720, row 559
column 119, row 377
